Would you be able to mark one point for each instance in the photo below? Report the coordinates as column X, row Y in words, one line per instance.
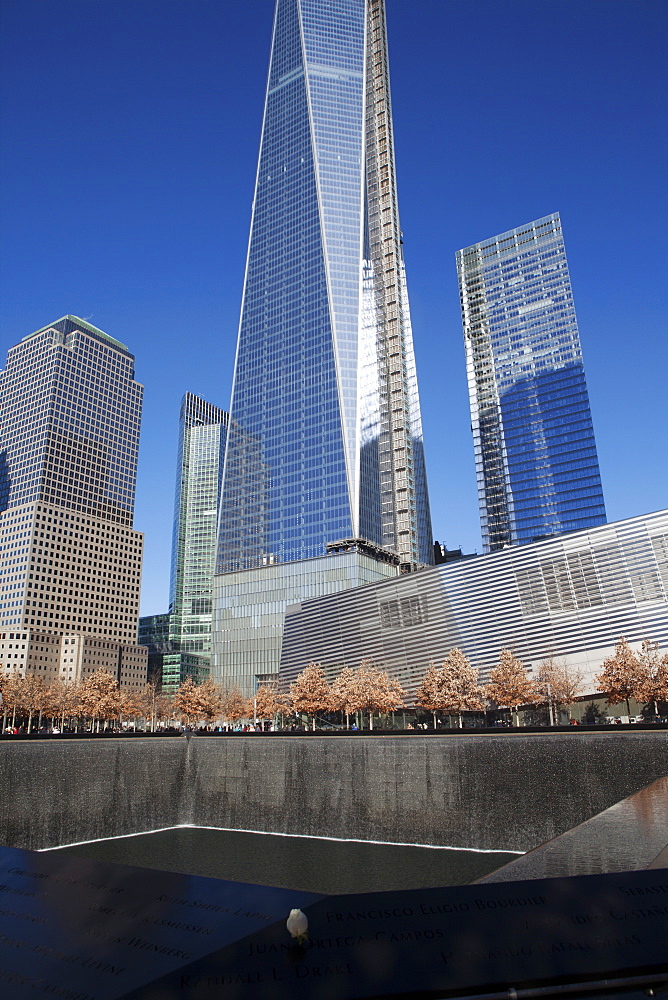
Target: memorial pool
column 312, row 864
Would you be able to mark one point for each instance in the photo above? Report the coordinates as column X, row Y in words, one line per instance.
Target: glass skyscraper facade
column 202, row 437
column 536, row 461
column 179, row 642
column 325, row 439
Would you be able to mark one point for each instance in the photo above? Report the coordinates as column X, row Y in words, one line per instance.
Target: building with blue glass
column 179, row 642
column 535, row 453
column 199, row 470
column 325, row 452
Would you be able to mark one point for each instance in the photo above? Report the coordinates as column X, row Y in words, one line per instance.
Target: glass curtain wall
column 202, row 436
column 325, row 441
column 536, row 460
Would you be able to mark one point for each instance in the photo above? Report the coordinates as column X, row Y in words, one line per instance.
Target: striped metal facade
column 571, row 597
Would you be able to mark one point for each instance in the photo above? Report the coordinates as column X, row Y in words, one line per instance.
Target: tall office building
column 325, row 443
column 70, row 561
column 535, row 453
column 202, row 438
column 179, row 642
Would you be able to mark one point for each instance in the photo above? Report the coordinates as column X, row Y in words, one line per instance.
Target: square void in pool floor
column 308, row 863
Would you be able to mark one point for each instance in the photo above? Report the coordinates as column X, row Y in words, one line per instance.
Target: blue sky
column 129, row 136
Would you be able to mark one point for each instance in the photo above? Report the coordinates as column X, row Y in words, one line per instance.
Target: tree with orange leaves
column 99, row 698
column 342, row 693
column 428, row 695
column 373, row 690
column 653, row 684
column 234, row 706
column 622, row 675
column 267, row 703
column 187, row 702
column 458, row 685
column 310, row 692
column 510, row 685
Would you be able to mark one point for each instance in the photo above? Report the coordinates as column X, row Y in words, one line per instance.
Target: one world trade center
column 324, row 483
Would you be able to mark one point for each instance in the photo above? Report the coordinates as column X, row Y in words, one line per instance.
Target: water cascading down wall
column 507, row 792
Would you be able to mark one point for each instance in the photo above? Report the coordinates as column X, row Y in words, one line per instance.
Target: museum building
column 571, row 596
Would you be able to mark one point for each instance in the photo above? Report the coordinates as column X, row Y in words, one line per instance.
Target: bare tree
column 150, row 698
column 163, row 709
column 558, row 684
column 211, row 699
column 310, row 693
column 155, row 706
column 510, row 685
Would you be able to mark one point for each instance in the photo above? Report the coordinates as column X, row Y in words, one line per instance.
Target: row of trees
column 209, row 701
column 626, row 674
column 449, row 689
column 95, row 700
column 367, row 689
column 453, row 687
column 642, row 676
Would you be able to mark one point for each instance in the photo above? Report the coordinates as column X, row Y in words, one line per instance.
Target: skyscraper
column 179, row 642
column 325, row 442
column 70, row 565
column 536, row 461
column 202, row 437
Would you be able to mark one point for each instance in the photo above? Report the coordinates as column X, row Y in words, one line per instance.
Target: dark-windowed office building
column 70, row 560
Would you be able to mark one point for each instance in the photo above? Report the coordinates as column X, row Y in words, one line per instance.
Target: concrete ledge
column 488, row 792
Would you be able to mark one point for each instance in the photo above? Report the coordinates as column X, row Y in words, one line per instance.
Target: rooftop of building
column 69, row 323
column 511, row 236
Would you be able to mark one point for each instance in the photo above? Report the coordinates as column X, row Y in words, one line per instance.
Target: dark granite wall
column 502, row 792
column 65, row 791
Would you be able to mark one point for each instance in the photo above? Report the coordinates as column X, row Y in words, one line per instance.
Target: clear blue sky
column 129, row 141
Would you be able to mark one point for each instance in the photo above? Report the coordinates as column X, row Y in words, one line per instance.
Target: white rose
column 297, row 924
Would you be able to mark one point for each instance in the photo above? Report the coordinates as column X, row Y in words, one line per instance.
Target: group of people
column 22, row 731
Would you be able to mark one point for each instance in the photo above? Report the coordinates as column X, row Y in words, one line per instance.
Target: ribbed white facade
column 571, row 597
